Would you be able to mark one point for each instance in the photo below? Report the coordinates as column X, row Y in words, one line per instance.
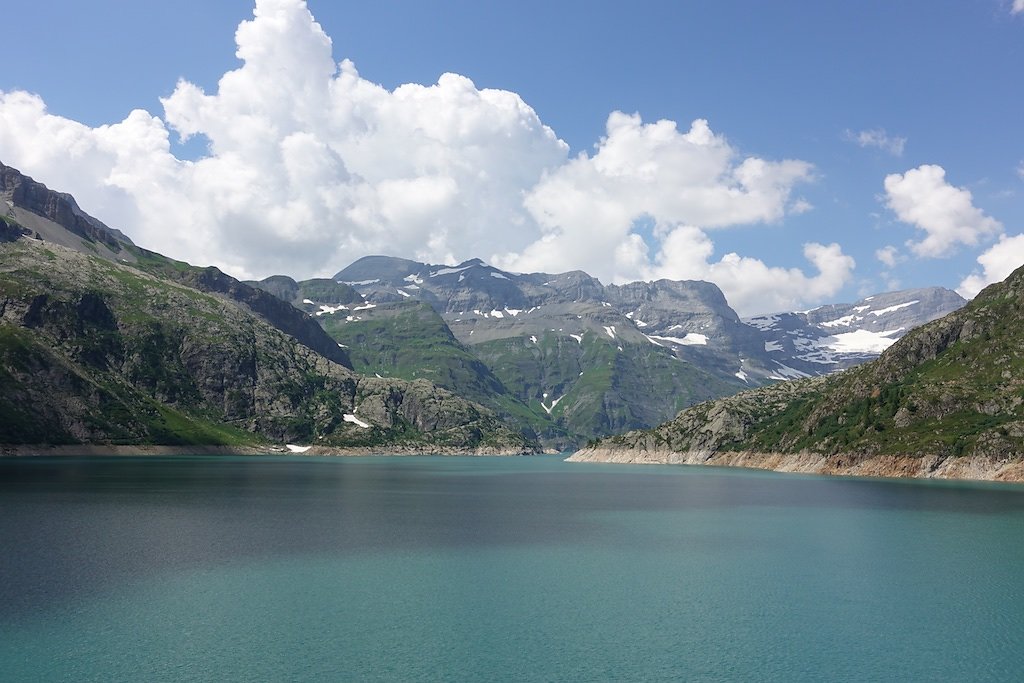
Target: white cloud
column 1018, row 7
column 997, row 263
column 1020, row 166
column 751, row 286
column 889, row 256
column 686, row 183
column 311, row 166
column 947, row 214
column 877, row 137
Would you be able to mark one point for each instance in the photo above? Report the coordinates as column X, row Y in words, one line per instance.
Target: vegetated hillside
column 92, row 351
column 55, row 217
column 409, row 340
column 951, row 390
column 572, row 351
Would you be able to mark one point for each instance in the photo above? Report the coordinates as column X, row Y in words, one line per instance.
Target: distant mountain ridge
column 581, row 359
column 838, row 336
column 576, row 352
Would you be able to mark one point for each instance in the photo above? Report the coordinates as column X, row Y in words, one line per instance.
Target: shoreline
column 969, row 468
column 43, row 450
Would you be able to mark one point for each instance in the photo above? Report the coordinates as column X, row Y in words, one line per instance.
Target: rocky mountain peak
column 23, row 194
column 837, row 336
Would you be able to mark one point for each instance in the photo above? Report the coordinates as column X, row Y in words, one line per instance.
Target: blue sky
column 832, row 97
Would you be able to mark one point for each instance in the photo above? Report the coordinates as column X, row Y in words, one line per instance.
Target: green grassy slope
column 409, row 340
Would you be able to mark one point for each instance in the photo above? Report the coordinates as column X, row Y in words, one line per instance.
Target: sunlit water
column 495, row 569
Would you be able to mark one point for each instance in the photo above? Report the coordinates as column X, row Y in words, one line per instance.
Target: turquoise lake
column 500, row 569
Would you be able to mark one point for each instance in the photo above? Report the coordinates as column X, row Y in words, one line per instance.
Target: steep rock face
column 264, row 304
column 18, row 190
column 688, row 315
column 10, row 228
column 98, row 352
column 952, row 389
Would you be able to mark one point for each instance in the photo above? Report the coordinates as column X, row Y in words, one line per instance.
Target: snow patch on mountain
column 551, row 407
column 836, row 336
column 448, row 271
column 331, row 310
column 349, row 417
column 897, row 307
column 691, row 339
column 863, row 341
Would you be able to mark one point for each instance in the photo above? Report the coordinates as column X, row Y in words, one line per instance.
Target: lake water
column 499, row 569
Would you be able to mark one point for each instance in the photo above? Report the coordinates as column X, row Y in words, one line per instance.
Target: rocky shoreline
column 974, row 467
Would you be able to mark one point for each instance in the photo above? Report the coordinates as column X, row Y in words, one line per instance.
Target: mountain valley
column 574, row 359
column 106, row 342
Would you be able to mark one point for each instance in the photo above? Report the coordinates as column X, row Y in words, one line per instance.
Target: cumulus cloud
column 922, row 197
column 751, row 286
column 686, row 184
column 889, row 256
column 878, row 138
column 996, row 264
column 310, row 166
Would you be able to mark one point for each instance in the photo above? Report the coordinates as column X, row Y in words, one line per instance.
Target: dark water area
column 298, row 568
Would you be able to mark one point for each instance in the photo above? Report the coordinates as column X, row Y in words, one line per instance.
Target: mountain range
column 102, row 341
column 570, row 359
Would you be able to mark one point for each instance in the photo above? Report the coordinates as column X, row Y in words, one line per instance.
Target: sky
column 793, row 153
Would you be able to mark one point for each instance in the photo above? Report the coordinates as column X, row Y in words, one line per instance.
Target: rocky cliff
column 26, row 201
